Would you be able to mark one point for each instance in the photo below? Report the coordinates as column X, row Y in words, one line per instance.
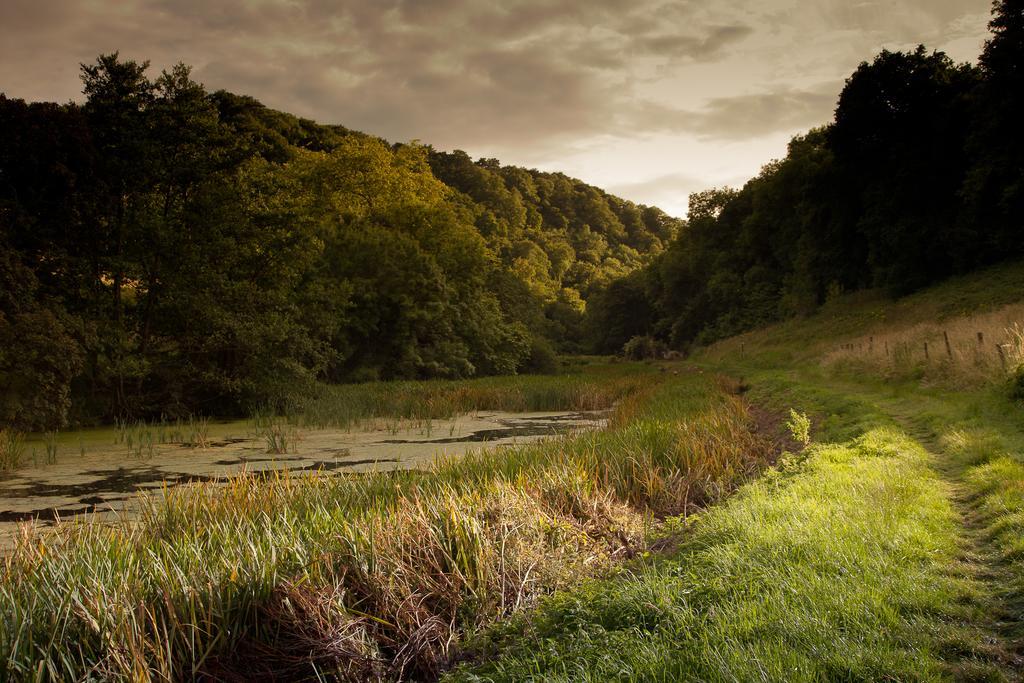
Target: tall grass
column 967, row 351
column 840, row 568
column 347, row 406
column 141, row 437
column 363, row 577
column 12, row 449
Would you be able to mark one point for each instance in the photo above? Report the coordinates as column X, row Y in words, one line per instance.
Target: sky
column 650, row 99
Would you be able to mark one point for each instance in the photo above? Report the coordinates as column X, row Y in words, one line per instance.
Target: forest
column 920, row 176
column 166, row 251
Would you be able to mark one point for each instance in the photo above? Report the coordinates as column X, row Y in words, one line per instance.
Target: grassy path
column 981, row 558
column 890, row 551
column 976, row 443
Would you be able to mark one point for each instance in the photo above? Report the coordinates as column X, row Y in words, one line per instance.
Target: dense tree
column 994, row 190
column 565, row 239
column 164, row 250
column 919, row 176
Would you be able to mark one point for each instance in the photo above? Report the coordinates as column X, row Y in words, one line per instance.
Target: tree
column 994, row 186
column 899, row 139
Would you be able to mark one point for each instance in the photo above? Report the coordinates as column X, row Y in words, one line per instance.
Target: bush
column 542, row 359
column 642, row 348
column 38, row 361
column 1017, row 384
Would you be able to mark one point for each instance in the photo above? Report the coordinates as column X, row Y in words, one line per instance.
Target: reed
column 50, row 447
column 370, row 576
column 417, row 403
column 12, row 449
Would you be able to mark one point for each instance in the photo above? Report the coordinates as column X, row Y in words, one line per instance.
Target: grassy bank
column 367, row 576
column 838, row 568
column 889, row 550
column 987, row 301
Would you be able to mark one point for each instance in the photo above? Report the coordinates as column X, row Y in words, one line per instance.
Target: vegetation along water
column 286, row 401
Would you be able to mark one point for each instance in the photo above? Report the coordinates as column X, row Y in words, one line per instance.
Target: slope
column 889, row 548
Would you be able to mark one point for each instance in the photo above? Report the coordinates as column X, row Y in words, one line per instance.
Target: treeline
column 920, row 176
column 164, row 250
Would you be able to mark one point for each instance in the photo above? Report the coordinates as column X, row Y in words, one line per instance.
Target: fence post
column 981, row 338
column 949, row 349
column 1002, row 356
column 886, row 348
column 871, row 344
column 926, row 350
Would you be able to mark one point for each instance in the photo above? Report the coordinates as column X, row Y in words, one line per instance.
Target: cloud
column 453, row 72
column 741, row 117
column 670, row 189
column 707, row 46
column 518, row 79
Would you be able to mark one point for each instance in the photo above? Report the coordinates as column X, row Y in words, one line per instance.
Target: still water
column 94, row 476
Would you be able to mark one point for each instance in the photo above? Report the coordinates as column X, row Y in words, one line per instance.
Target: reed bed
column 348, row 406
column 376, row 576
column 966, row 351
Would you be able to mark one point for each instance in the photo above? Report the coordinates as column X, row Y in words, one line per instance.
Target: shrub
column 799, row 427
column 642, row 348
column 542, row 359
column 38, row 361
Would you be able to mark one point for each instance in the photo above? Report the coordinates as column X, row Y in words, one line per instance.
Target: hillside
column 917, row 178
column 164, row 250
column 888, row 548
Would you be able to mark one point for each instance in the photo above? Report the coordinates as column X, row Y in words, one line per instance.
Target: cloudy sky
column 652, row 99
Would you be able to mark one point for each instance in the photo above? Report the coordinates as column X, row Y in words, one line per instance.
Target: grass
column 347, row 406
column 888, row 549
column 966, row 351
column 12, row 449
column 834, row 569
column 854, row 318
column 141, row 437
column 379, row 575
column 867, row 557
column 279, row 435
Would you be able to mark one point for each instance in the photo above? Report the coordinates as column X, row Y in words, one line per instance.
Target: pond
column 92, row 475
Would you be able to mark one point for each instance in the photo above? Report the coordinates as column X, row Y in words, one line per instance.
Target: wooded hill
column 920, row 176
column 164, row 250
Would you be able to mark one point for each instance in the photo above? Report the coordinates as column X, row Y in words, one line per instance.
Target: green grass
column 367, row 576
column 849, row 319
column 838, row 569
column 866, row 558
column 890, row 549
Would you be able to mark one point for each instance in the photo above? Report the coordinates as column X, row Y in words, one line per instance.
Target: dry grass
column 966, row 351
column 364, row 577
column 12, row 449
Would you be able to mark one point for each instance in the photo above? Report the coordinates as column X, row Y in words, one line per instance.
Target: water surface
column 94, row 476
